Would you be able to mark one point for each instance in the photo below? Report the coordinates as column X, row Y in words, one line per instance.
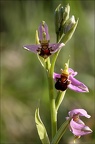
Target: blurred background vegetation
column 24, row 85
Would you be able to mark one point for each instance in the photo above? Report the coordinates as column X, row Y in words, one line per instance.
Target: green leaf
column 59, row 98
column 41, row 128
column 60, row 132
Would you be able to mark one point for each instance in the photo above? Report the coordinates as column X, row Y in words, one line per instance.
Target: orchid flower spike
column 77, row 126
column 44, row 48
column 66, row 80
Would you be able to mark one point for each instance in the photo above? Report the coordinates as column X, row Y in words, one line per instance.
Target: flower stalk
column 52, row 104
column 61, row 17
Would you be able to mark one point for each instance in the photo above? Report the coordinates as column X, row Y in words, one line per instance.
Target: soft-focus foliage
column 23, row 80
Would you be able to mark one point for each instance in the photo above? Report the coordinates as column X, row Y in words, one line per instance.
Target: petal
column 79, row 129
column 55, row 47
column 56, row 76
column 77, row 85
column 32, row 48
column 87, row 129
column 80, row 112
column 43, row 28
column 72, row 72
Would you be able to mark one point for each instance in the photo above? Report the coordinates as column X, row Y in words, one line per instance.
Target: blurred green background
column 24, row 84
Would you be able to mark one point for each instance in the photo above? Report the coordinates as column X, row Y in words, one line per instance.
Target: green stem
column 51, row 93
column 54, row 57
column 52, row 104
column 57, row 37
column 52, row 97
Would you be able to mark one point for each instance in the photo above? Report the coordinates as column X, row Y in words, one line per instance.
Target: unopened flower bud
column 69, row 24
column 65, row 38
column 61, row 16
column 66, row 14
column 57, row 19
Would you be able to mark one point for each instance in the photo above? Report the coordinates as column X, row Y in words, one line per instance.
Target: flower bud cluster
column 63, row 23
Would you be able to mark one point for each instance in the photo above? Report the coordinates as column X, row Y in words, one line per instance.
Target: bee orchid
column 44, row 48
column 77, row 126
column 66, row 80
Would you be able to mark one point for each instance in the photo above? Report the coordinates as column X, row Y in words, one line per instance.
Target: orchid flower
column 77, row 126
column 44, row 48
column 66, row 80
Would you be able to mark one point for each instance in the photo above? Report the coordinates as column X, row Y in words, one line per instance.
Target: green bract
column 41, row 128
